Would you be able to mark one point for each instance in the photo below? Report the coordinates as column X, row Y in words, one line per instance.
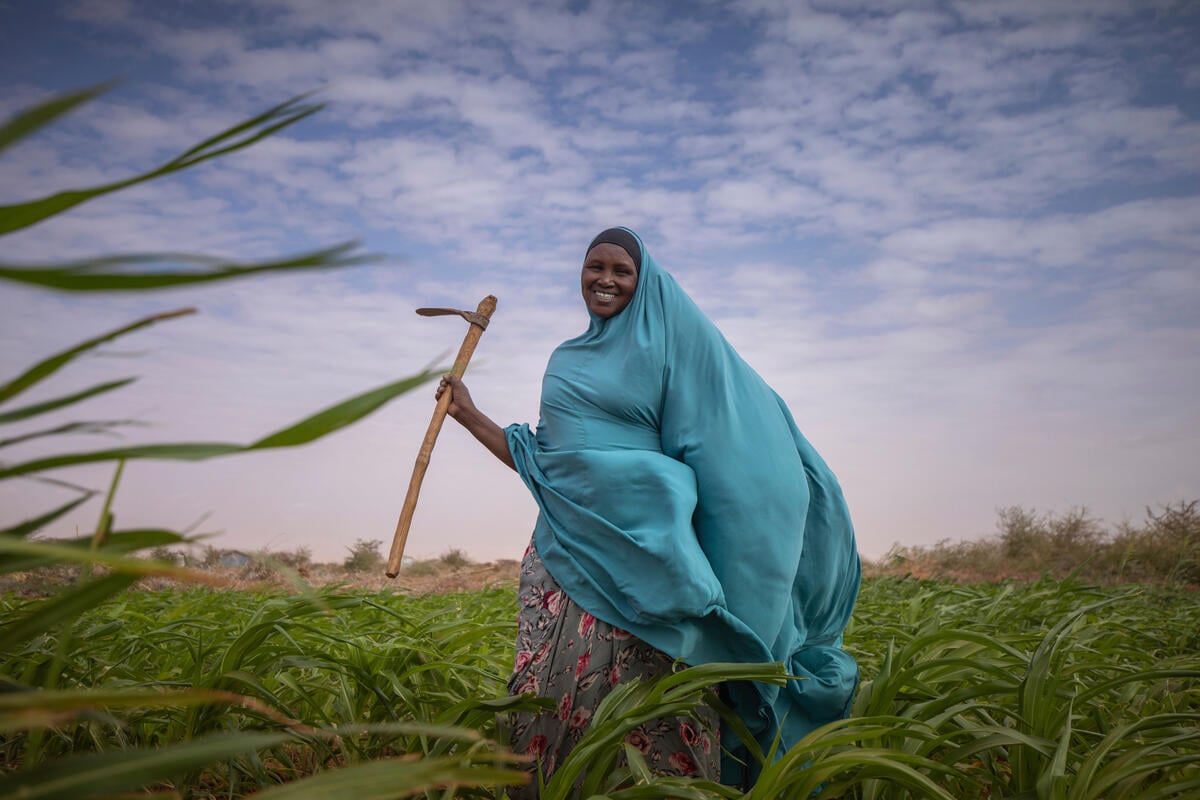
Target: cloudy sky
column 961, row 239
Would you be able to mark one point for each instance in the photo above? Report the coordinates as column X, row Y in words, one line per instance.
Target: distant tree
column 211, row 558
column 299, row 559
column 1020, row 531
column 454, row 558
column 162, row 554
column 364, row 556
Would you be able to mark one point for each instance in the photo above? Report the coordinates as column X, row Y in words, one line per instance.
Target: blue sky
column 961, row 239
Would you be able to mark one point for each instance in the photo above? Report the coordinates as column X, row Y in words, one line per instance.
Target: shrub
column 1164, row 549
column 364, row 556
column 454, row 558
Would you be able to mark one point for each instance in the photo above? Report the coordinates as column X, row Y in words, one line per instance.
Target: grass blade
column 119, row 542
column 61, row 608
column 102, row 774
column 132, row 566
column 111, row 273
column 46, row 368
column 23, row 529
column 101, row 426
column 396, row 778
column 185, row 451
column 22, row 215
column 41, row 115
column 307, row 430
column 340, row 415
column 46, row 406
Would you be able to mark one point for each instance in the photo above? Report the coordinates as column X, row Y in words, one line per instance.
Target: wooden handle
column 486, row 307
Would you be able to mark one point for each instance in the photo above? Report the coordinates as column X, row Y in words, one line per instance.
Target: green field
column 1053, row 690
column 1049, row 690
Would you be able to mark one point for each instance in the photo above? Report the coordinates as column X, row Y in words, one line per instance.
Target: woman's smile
column 609, row 279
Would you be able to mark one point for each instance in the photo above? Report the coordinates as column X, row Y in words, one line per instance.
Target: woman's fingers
column 455, row 385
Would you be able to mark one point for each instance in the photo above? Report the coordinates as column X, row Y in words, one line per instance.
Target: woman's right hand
column 462, row 408
column 460, row 397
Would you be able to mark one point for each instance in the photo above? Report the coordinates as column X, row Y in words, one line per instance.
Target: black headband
column 623, row 239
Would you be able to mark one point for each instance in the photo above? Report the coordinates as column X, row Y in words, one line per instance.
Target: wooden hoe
column 479, row 321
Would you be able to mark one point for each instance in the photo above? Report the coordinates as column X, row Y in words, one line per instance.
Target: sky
column 960, row 239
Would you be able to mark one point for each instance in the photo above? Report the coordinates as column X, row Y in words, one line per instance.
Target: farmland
column 1053, row 689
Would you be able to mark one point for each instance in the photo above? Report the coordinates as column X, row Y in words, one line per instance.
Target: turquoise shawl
column 679, row 501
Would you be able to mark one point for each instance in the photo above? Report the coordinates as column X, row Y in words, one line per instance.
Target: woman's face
column 609, row 278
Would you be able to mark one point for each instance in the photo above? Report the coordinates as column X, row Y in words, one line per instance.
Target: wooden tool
column 479, row 321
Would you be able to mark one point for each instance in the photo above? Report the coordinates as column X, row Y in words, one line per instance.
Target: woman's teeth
column 605, row 296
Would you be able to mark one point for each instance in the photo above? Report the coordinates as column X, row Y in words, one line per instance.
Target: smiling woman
column 610, row 272
column 684, row 520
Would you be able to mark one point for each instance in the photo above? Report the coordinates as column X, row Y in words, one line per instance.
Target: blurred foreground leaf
column 47, row 367
column 27, row 527
column 111, row 273
column 102, row 774
column 31, row 119
column 22, row 215
column 320, row 424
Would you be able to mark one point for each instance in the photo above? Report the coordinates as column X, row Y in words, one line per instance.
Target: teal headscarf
column 679, row 501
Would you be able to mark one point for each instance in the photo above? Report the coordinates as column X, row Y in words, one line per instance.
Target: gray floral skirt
column 566, row 654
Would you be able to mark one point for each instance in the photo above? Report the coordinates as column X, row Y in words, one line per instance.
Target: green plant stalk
column 104, row 524
column 66, row 636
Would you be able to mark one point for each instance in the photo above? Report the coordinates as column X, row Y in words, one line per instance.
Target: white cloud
column 938, row 231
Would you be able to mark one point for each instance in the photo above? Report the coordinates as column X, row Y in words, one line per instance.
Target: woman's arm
column 463, row 409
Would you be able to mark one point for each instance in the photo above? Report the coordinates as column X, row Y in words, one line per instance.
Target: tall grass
column 1049, row 690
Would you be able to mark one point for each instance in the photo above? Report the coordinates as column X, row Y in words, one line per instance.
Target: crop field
column 1050, row 690
column 1054, row 690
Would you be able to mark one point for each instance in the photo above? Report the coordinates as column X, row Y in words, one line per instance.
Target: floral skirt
column 565, row 653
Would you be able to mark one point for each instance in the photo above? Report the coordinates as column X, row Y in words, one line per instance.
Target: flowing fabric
column 679, row 501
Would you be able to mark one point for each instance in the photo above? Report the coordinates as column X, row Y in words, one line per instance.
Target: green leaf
column 111, row 273
column 61, row 608
column 339, row 416
column 23, row 529
column 59, row 402
column 22, row 215
column 132, row 566
column 115, row 543
column 320, row 424
column 102, row 426
column 284, row 111
column 46, row 368
column 41, row 115
column 102, row 774
column 395, row 778
column 193, row 451
column 24, row 708
column 1052, row 783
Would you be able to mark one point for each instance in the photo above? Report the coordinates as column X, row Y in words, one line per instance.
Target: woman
column 683, row 517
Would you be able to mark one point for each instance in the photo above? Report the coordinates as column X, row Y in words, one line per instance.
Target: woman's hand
column 460, row 397
column 462, row 408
